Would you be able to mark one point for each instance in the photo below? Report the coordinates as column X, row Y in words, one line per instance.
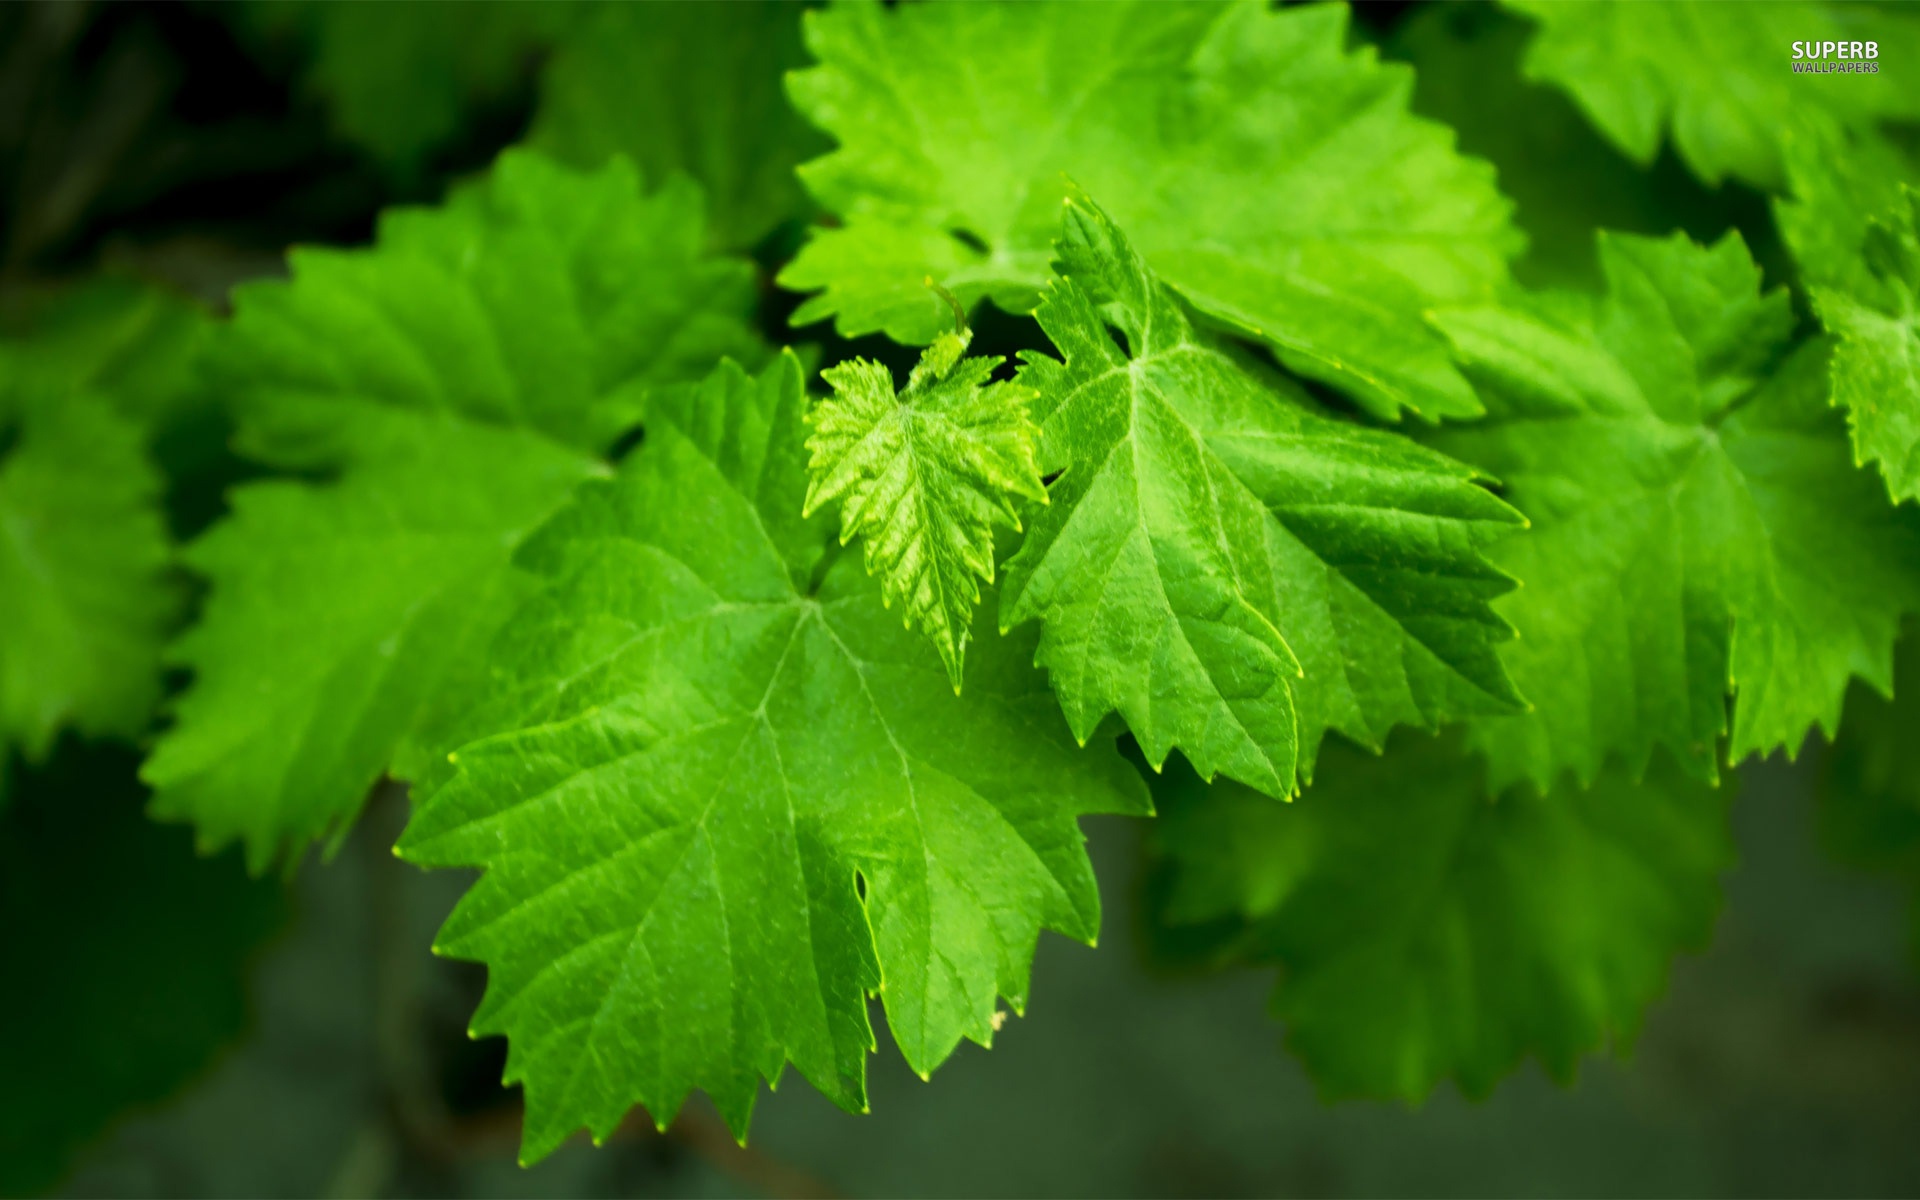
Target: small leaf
column 925, row 477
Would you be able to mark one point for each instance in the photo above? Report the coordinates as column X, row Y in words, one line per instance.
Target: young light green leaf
column 1272, row 176
column 1232, row 571
column 459, row 379
column 687, row 86
column 1720, row 75
column 726, row 803
column 1697, row 528
column 924, row 477
column 1426, row 929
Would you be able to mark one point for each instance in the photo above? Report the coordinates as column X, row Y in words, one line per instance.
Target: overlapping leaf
column 1427, row 930
column 84, row 602
column 1697, row 527
column 1870, row 782
column 1271, row 175
column 459, row 379
column 1230, row 569
column 1718, row 76
column 731, row 796
column 84, row 598
column 1851, row 228
column 400, row 78
column 924, row 477
column 1565, row 178
column 100, row 904
column 687, row 85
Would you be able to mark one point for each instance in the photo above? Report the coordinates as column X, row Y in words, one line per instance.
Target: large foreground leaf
column 1231, row 569
column 459, row 378
column 1427, row 929
column 1697, row 527
column 732, row 797
column 1271, row 175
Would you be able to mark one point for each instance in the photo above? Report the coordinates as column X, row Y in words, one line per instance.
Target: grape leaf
column 85, row 603
column 736, row 797
column 1839, row 181
column 923, row 478
column 1849, row 224
column 99, row 903
column 134, row 345
column 1565, row 178
column 1426, row 929
column 1870, row 780
column 687, row 86
column 399, row 78
column 457, row 381
column 1719, row 75
column 1697, row 529
column 1230, row 569
column 1277, row 180
column 1876, row 358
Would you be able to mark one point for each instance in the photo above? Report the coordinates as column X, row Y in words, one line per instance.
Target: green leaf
column 1427, row 930
column 1720, row 76
column 923, row 478
column 459, row 380
column 84, row 599
column 1230, row 569
column 1839, row 181
column 1565, row 178
column 693, row 87
column 1870, row 780
column 1277, row 180
column 125, row 955
column 86, row 375
column 1697, row 529
column 136, row 346
column 1850, row 227
column 725, row 806
column 400, row 78
column 1876, row 358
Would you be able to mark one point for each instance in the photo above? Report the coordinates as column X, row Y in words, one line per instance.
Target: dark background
column 157, row 141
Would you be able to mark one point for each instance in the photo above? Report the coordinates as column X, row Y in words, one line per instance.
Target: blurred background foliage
column 174, row 1028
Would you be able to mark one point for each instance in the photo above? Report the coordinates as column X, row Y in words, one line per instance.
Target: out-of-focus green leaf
column 1426, row 929
column 459, row 378
column 693, row 86
column 1698, row 531
column 1719, row 78
column 125, row 959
